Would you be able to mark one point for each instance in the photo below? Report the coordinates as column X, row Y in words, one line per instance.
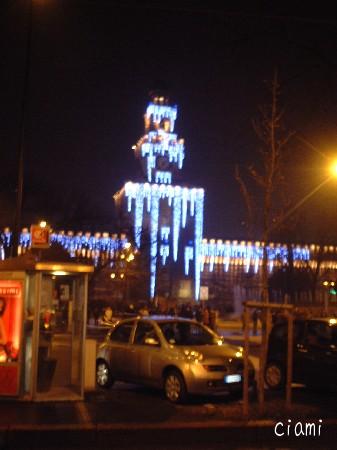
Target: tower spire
column 167, row 208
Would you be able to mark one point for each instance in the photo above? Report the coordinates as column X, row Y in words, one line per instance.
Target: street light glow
column 334, row 168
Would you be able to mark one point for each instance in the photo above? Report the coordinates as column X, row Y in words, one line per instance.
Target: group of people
column 203, row 314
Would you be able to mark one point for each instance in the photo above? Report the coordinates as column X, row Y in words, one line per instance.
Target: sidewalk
column 144, row 414
column 232, row 331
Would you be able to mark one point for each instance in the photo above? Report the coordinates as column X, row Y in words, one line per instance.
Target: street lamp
column 333, row 170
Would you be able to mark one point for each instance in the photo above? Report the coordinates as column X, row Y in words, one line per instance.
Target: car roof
column 164, row 318
column 328, row 320
column 154, row 318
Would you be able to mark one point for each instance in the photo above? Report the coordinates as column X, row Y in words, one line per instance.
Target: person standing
column 205, row 317
column 255, row 317
column 212, row 318
column 198, row 314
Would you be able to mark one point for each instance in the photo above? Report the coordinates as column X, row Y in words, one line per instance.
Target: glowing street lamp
column 303, row 200
column 333, row 169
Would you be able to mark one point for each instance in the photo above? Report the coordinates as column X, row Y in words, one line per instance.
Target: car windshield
column 334, row 335
column 187, row 333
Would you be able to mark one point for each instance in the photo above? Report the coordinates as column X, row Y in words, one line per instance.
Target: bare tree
column 267, row 174
column 268, row 177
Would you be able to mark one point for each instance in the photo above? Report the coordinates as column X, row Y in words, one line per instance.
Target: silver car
column 180, row 355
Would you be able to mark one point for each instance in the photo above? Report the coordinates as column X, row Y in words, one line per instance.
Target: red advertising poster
column 10, row 335
column 39, row 236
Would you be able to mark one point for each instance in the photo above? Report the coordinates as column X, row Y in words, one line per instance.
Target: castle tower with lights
column 171, row 214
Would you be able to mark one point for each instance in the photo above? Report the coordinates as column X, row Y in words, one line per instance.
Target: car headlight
column 193, row 355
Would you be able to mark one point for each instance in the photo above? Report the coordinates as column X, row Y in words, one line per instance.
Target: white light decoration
column 211, row 252
column 163, row 177
column 176, row 220
column 139, row 207
column 176, row 197
column 158, row 112
column 160, row 143
column 160, row 148
column 248, row 258
column 198, row 230
column 185, row 197
column 250, row 253
column 165, row 232
column 154, row 237
column 164, row 253
column 189, row 254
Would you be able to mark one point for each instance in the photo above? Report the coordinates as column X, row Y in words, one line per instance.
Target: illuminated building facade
column 165, row 210
column 170, row 218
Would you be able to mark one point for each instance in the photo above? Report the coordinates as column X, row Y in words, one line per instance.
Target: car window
column 319, row 334
column 280, row 332
column 186, row 333
column 144, row 330
column 334, row 335
column 122, row 332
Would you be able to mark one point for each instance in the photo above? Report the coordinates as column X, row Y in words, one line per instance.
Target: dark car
column 314, row 353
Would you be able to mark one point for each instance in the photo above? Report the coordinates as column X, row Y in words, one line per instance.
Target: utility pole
column 19, row 193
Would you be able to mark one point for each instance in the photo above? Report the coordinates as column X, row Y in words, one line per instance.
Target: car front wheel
column 174, row 387
column 103, row 375
column 274, row 376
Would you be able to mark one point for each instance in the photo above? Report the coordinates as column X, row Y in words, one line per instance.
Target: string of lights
column 212, row 252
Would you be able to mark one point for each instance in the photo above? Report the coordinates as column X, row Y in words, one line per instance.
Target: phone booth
column 43, row 307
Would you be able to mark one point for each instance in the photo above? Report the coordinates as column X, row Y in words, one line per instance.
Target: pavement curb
column 152, row 425
column 251, row 434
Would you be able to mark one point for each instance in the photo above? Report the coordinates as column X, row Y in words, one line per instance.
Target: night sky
column 92, row 64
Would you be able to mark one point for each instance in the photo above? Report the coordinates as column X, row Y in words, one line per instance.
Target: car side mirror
column 151, row 341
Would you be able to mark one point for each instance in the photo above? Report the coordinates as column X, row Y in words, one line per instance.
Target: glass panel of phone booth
column 60, row 333
column 28, row 332
column 77, row 334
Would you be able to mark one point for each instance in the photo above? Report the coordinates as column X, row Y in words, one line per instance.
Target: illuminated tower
column 165, row 207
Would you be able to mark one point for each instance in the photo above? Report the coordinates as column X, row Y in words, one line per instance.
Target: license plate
column 232, row 378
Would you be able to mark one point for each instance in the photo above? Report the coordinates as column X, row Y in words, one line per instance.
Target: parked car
column 314, row 353
column 179, row 355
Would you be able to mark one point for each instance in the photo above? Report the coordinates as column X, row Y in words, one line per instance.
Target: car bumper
column 214, row 382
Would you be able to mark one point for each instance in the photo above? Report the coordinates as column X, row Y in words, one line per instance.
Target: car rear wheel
column 174, row 387
column 103, row 375
column 274, row 376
